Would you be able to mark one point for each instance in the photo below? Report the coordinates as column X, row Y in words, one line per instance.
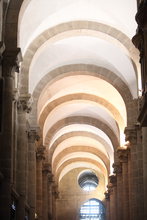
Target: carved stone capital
column 11, row 61
column 50, row 178
column 55, row 191
column 46, row 168
column 40, row 153
column 33, row 135
column 107, row 195
column 117, row 168
column 131, row 135
column 110, row 189
column 123, row 154
column 112, row 180
column 23, row 103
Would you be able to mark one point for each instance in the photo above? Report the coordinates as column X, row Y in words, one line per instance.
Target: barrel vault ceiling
column 82, row 72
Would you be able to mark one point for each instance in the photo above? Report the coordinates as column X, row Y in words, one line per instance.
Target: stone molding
column 40, row 153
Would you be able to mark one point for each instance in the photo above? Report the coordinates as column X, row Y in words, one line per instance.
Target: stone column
column 118, row 172
column 107, row 198
column 123, row 155
column 32, row 137
column 22, row 155
column 133, row 136
column 50, row 195
column 45, row 171
column 55, row 195
column 9, row 66
column 113, row 197
column 39, row 159
column 140, row 41
column 144, row 143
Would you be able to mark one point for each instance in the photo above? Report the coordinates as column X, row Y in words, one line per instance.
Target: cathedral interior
column 73, row 109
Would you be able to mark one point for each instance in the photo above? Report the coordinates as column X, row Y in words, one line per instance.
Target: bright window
column 93, row 209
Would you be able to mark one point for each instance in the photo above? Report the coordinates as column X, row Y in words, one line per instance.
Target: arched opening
column 93, row 209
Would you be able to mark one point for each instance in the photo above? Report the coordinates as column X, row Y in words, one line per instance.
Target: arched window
column 93, row 209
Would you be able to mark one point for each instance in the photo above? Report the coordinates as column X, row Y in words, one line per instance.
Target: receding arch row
column 80, row 155
column 74, row 25
column 77, row 149
column 54, row 151
column 82, row 96
column 88, row 69
column 81, row 120
column 80, row 160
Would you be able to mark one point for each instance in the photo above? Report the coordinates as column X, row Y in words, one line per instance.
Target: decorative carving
column 23, row 103
column 55, row 191
column 113, row 180
column 11, row 61
column 40, row 153
column 131, row 135
column 46, row 168
column 33, row 136
column 123, row 154
column 107, row 195
column 117, row 168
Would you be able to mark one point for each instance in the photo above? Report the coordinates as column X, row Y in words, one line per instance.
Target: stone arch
column 80, row 96
column 81, row 120
column 81, row 149
column 74, row 25
column 74, row 134
column 104, row 171
column 93, row 70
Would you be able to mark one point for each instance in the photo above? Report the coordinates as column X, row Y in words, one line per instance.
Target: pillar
column 50, row 196
column 55, row 195
column 32, row 138
column 118, row 172
column 133, row 136
column 144, row 143
column 9, row 66
column 45, row 171
column 123, row 155
column 113, row 197
column 22, row 156
column 39, row 160
column 140, row 41
column 107, row 199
